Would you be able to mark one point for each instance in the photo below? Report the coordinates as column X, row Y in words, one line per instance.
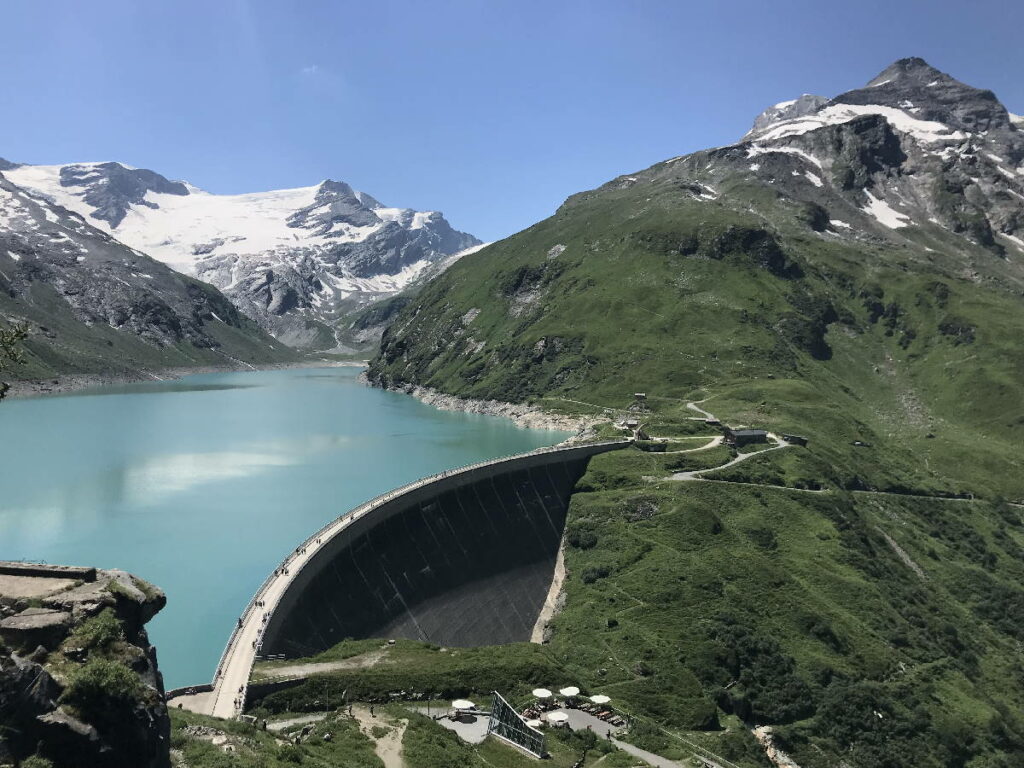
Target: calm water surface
column 202, row 485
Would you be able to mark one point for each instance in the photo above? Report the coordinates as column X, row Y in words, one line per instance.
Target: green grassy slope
column 60, row 343
column 658, row 292
column 780, row 597
column 795, row 608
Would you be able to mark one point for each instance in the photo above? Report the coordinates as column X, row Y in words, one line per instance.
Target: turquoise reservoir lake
column 204, row 484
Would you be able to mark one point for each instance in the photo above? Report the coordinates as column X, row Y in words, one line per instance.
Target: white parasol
column 557, row 717
column 542, row 693
column 463, row 704
column 572, row 690
column 600, row 699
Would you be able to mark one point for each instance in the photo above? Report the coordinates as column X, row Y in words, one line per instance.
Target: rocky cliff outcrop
column 79, row 682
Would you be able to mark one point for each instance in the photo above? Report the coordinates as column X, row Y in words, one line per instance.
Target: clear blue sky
column 492, row 111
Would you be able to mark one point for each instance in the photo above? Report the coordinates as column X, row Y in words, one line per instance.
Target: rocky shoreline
column 526, row 416
column 73, row 382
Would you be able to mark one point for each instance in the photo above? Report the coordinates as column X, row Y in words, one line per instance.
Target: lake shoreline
column 74, row 382
column 525, row 416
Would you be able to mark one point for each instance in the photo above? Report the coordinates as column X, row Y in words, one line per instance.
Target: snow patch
column 884, row 213
column 14, row 255
column 814, row 179
column 839, row 223
column 755, row 166
column 924, row 131
column 755, row 149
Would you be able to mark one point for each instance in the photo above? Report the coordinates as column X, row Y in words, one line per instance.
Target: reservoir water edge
column 201, row 485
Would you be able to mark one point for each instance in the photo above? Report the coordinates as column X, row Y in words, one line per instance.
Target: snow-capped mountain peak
column 292, row 259
column 913, row 148
column 914, row 97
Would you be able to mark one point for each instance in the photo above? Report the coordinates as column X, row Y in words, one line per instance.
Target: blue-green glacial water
column 202, row 485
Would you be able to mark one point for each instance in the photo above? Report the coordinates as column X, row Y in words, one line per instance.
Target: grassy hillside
column 646, row 289
column 863, row 596
column 809, row 611
column 59, row 343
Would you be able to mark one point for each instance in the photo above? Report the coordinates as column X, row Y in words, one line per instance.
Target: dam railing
column 367, row 507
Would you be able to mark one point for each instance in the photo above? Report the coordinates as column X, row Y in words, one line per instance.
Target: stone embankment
column 527, row 416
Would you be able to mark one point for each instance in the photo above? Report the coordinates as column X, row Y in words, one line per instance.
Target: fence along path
column 232, row 676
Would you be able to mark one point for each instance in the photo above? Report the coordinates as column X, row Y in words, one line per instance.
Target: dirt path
column 696, row 473
column 363, row 661
column 715, row 441
column 695, row 406
column 389, row 746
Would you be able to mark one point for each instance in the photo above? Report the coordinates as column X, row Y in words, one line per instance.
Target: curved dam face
column 464, row 560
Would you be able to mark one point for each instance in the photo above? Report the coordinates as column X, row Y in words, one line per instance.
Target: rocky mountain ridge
column 93, row 304
column 295, row 261
column 915, row 150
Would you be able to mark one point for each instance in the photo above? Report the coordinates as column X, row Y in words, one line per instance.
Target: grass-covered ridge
column 646, row 289
column 861, row 595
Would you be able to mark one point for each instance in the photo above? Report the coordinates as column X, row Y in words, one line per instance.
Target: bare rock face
column 79, row 682
column 112, row 189
column 915, row 149
column 787, row 110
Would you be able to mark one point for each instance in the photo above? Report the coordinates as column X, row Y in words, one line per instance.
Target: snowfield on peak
column 181, row 229
column 925, row 131
column 294, row 260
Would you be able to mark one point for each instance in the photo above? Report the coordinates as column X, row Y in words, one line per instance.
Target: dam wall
column 464, row 558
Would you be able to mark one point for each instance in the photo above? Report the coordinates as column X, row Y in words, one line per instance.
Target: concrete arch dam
column 461, row 559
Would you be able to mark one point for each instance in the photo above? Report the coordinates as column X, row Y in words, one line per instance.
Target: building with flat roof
column 740, row 437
